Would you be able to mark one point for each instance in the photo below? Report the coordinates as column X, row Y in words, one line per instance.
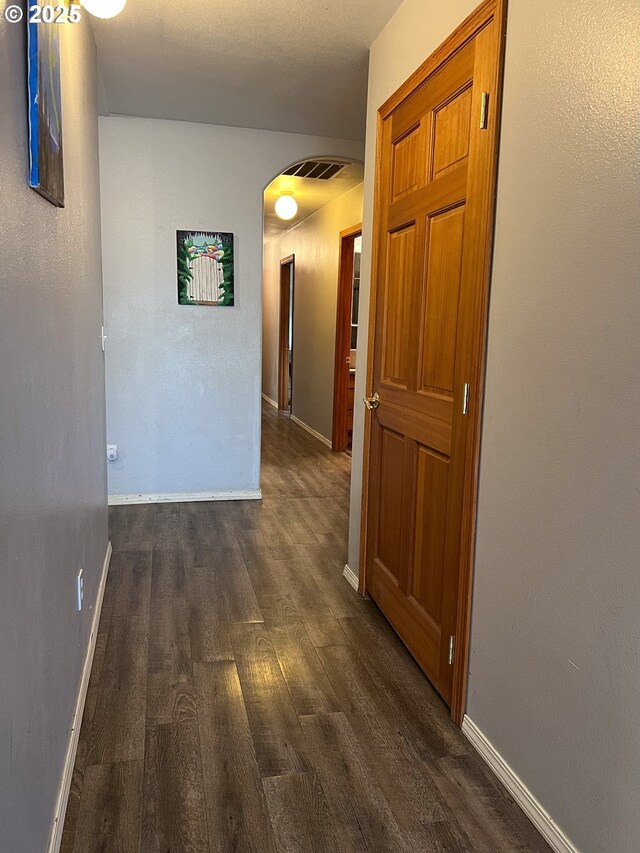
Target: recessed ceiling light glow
column 104, row 8
column 286, row 207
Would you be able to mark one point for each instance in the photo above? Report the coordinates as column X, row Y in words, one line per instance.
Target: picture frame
column 46, row 165
column 205, row 268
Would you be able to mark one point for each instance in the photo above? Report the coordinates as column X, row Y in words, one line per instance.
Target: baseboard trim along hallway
column 187, row 497
column 536, row 813
column 270, row 401
column 311, row 431
column 350, row 576
column 70, row 758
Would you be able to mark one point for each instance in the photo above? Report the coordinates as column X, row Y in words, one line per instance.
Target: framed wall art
column 205, row 268
column 46, row 173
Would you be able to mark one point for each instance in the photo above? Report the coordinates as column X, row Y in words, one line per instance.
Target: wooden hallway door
column 437, row 147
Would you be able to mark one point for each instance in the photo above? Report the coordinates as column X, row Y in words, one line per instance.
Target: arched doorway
column 301, row 262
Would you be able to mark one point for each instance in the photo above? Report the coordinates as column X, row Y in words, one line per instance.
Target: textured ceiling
column 283, row 65
column 310, row 195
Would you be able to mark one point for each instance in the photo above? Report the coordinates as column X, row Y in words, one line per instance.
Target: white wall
column 558, row 550
column 53, row 489
column 315, row 242
column 183, row 382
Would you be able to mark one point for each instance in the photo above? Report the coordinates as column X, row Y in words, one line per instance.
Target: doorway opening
column 308, row 208
column 285, row 334
column 347, row 309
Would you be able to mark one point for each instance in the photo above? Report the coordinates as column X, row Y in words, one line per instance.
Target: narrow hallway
column 244, row 698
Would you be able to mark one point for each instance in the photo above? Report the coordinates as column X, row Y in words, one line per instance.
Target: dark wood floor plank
column 167, row 526
column 301, row 819
column 362, row 814
column 244, row 514
column 237, row 813
column 132, row 527
column 481, row 808
column 310, row 689
column 220, row 525
column 238, row 596
column 274, row 534
column 323, row 630
column 423, row 716
column 310, row 598
column 170, row 677
column 117, row 731
column 321, row 514
column 111, row 815
column 295, row 525
column 132, row 590
column 275, row 728
column 325, row 569
column 404, row 779
column 174, row 816
column 266, row 578
column 196, row 537
column 208, row 627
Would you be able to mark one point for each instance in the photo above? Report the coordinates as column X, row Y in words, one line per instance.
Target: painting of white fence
column 205, row 268
column 206, row 284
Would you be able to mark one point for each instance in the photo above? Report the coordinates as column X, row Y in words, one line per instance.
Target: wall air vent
column 319, row 170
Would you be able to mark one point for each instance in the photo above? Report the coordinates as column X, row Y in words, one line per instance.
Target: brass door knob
column 372, row 402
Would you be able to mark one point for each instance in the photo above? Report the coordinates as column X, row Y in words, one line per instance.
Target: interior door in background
column 346, row 336
column 434, row 213
column 285, row 334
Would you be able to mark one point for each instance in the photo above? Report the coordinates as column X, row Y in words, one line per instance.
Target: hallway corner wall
column 315, row 242
column 183, row 381
column 554, row 681
column 53, row 489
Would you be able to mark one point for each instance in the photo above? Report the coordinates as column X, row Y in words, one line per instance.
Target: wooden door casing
column 433, row 225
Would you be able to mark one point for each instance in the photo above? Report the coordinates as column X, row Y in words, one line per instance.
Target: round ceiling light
column 104, row 8
column 286, row 207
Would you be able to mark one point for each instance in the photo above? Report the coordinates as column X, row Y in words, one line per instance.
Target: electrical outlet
column 80, row 590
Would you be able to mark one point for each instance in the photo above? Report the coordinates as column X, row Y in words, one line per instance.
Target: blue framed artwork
column 46, row 173
column 205, row 268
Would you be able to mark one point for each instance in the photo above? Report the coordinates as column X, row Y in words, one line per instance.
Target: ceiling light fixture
column 104, row 8
column 286, row 206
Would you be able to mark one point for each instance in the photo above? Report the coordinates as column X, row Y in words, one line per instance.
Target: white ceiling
column 281, row 65
column 310, row 194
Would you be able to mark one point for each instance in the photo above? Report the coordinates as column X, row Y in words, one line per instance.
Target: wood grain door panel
column 399, row 287
column 440, row 299
column 436, row 175
column 390, row 548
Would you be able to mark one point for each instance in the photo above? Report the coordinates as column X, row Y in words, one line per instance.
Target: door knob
column 372, row 402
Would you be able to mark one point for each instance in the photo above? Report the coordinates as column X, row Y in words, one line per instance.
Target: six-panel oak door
column 434, row 223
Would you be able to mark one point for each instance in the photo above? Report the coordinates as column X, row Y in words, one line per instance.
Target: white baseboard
column 270, row 401
column 351, row 577
column 536, row 813
column 70, row 758
column 312, row 432
column 187, row 497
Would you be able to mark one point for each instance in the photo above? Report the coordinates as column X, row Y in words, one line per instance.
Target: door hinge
column 484, row 111
column 465, row 399
column 103, row 337
column 452, row 649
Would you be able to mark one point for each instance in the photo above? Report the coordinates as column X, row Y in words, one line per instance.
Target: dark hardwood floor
column 244, row 698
